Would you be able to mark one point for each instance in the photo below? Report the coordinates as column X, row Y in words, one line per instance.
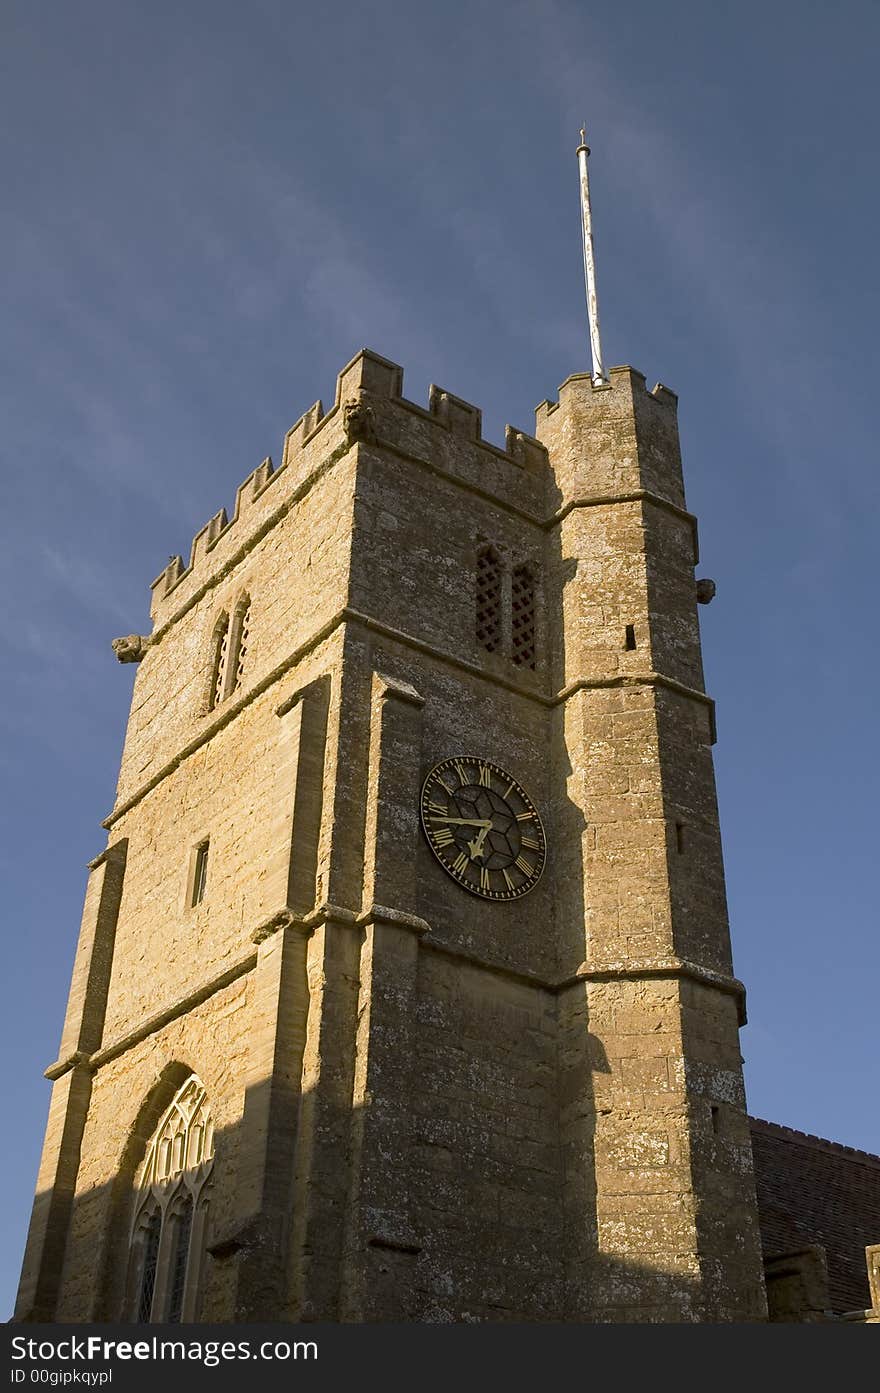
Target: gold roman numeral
column 436, row 808
column 459, row 769
column 484, row 878
column 531, row 843
column 523, row 817
column 507, row 878
column 485, row 776
column 510, row 787
column 523, row 866
column 442, row 837
column 461, row 863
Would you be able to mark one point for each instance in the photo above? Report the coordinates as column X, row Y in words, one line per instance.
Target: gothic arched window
column 487, row 626
column 239, row 635
column 229, row 646
column 168, row 1231
column 219, row 661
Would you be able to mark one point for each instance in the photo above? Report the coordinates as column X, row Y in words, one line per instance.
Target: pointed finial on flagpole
column 599, row 376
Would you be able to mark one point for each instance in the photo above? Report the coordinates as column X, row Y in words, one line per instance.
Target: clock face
column 483, row 828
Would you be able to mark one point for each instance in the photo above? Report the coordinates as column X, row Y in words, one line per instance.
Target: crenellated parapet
column 369, row 410
column 635, row 383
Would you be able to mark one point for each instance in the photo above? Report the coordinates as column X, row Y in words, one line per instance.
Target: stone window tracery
column 170, row 1210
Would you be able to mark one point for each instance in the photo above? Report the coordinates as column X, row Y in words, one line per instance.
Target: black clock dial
column 483, row 828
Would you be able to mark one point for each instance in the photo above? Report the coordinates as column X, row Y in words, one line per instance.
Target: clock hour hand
column 476, row 846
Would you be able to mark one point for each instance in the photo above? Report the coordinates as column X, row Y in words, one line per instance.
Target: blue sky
column 209, row 207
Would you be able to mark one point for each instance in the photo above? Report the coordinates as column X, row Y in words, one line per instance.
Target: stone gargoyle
column 358, row 421
column 131, row 648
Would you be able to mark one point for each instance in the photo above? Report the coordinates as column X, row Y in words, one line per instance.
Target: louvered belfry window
column 522, row 618
column 489, row 596
column 507, row 609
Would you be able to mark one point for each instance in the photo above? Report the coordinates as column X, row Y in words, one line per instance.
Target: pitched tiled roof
column 815, row 1191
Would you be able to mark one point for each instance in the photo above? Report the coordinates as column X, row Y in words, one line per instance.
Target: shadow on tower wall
column 507, row 1266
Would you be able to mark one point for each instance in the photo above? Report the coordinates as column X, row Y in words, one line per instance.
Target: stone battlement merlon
column 369, row 406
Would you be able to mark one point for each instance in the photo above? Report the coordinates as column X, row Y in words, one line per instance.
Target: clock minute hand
column 465, row 821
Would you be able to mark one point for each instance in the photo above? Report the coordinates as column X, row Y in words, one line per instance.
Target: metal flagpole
column 599, row 376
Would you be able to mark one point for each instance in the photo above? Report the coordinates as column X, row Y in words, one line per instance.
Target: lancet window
column 239, row 638
column 220, row 649
column 171, row 1197
column 231, row 639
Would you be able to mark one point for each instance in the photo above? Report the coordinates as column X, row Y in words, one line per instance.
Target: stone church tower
column 404, row 988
